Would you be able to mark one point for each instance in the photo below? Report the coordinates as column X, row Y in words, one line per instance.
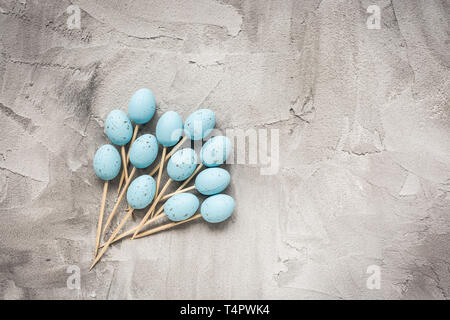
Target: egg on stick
column 139, row 195
column 143, row 153
column 158, row 214
column 141, row 109
column 214, row 209
column 119, row 130
column 213, row 153
column 106, row 167
column 198, row 125
column 180, row 167
column 168, row 132
column 208, row 182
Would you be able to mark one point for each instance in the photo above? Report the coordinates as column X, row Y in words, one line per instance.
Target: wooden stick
column 200, row 166
column 119, row 200
column 167, row 226
column 174, row 149
column 150, row 211
column 124, row 163
column 136, row 129
column 177, row 192
column 161, row 166
column 111, row 238
column 131, row 231
column 100, row 217
column 160, row 210
column 186, row 181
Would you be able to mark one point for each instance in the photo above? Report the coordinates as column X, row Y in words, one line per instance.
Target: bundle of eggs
column 182, row 166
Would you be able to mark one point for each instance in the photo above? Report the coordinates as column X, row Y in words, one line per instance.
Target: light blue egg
column 169, row 129
column 181, row 206
column 199, row 124
column 212, row 181
column 142, row 106
column 217, row 208
column 144, row 151
column 215, row 151
column 182, row 164
column 141, row 192
column 107, row 162
column 118, row 127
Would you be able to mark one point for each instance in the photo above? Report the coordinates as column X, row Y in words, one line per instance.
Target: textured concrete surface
column 364, row 177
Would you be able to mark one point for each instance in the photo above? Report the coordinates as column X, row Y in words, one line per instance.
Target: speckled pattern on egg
column 212, row 181
column 181, row 206
column 169, row 129
column 217, row 208
column 141, row 192
column 107, row 162
column 182, row 164
column 144, row 151
column 199, row 124
column 215, row 151
column 142, row 106
column 118, row 127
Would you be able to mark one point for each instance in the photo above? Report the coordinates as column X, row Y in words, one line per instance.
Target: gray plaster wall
column 364, row 146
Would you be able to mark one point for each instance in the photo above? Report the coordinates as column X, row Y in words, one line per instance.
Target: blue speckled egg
column 142, row 106
column 141, row 192
column 182, row 164
column 199, row 124
column 212, row 181
column 181, row 206
column 215, row 151
column 217, row 208
column 118, row 127
column 144, row 151
column 169, row 129
column 107, row 162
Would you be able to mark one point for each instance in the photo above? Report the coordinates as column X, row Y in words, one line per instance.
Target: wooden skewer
column 174, row 149
column 111, row 238
column 124, row 162
column 161, row 166
column 131, row 231
column 152, row 208
column 177, row 192
column 166, row 158
column 167, row 226
column 100, row 217
column 160, row 210
column 136, row 129
column 119, row 200
column 199, row 167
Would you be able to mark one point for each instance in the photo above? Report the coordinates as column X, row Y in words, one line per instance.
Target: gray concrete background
column 363, row 115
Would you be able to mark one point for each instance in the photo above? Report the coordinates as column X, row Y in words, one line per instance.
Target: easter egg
column 199, row 124
column 141, row 192
column 142, row 106
column 118, row 127
column 143, row 151
column 212, row 181
column 169, row 129
column 217, row 208
column 181, row 206
column 215, row 151
column 107, row 162
column 182, row 164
